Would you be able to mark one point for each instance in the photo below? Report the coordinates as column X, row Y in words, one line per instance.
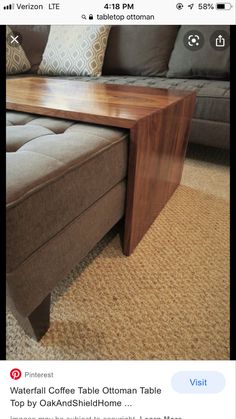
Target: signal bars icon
column 9, row 7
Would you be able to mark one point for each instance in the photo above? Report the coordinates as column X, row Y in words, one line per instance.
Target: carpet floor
column 169, row 300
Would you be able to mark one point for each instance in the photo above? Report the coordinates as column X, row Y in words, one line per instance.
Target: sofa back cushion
column 34, row 40
column 16, row 60
column 74, row 50
column 139, row 50
column 206, row 62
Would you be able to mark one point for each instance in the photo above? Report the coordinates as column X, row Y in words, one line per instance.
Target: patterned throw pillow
column 16, row 60
column 74, row 51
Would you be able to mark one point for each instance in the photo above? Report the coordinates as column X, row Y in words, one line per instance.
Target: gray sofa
column 156, row 56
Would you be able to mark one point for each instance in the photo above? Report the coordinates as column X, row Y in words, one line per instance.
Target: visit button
column 198, row 382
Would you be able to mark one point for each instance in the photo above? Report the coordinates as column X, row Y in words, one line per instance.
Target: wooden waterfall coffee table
column 158, row 121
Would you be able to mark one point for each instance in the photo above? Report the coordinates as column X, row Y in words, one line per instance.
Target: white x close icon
column 14, row 39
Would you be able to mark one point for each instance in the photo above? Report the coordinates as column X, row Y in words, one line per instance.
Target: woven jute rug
column 169, row 300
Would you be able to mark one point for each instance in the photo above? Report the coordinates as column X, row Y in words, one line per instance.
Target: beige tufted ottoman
column 65, row 190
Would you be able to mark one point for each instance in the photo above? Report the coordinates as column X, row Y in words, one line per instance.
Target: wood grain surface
column 157, row 150
column 108, row 104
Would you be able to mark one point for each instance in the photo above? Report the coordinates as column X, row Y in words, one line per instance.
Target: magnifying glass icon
column 83, row 17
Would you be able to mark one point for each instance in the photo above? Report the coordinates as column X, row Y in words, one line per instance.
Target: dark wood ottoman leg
column 37, row 323
column 39, row 320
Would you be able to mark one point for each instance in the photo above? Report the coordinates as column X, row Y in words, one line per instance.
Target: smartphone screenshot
column 117, row 210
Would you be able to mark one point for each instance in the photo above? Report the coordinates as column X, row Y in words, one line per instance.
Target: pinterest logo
column 15, row 374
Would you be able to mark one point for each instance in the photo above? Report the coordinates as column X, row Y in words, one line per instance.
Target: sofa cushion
column 34, row 40
column 207, row 62
column 54, row 173
column 75, row 50
column 16, row 60
column 139, row 50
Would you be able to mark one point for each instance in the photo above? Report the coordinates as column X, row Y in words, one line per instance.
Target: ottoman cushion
column 56, row 169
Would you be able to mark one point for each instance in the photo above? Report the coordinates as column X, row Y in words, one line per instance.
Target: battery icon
column 223, row 6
